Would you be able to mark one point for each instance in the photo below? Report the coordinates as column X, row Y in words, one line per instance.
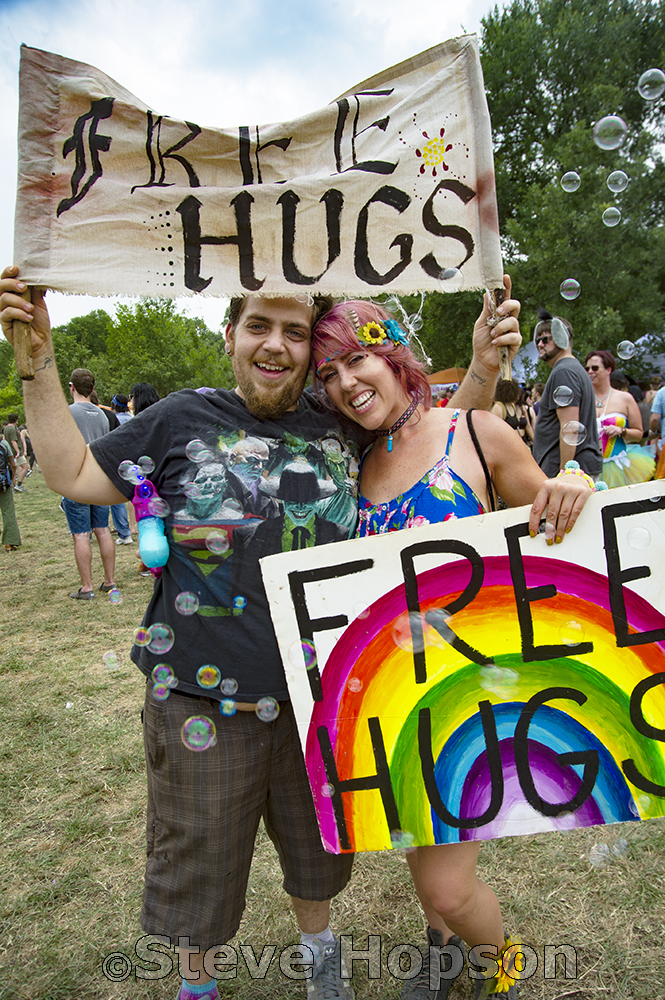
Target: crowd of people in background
column 623, row 443
column 17, row 462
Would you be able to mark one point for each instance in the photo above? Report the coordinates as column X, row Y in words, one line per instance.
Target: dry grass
column 72, row 815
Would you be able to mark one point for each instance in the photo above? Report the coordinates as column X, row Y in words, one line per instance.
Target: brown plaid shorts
column 203, row 813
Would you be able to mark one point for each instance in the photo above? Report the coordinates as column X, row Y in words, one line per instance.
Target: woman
column 509, row 405
column 619, row 426
column 362, row 360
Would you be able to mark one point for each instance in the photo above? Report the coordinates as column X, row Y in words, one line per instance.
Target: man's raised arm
column 477, row 389
column 63, row 456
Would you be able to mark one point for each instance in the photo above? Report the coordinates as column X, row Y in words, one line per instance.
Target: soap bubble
column 571, row 633
column 570, row 181
column 115, row 597
column 112, row 660
column 626, row 350
column 617, row 181
column 501, row 682
column 651, row 84
column 327, row 791
column 562, row 395
column 229, row 685
column 451, row 280
column 131, row 472
column 195, row 449
column 267, row 709
column 141, row 636
column 158, row 507
column 401, row 840
column 415, row 322
column 217, row 542
column 146, row 464
column 208, row 676
column 198, row 733
column 405, row 627
column 163, row 674
column 619, row 847
column 611, row 217
column 354, row 684
column 160, row 692
column 569, row 289
column 239, row 602
column 361, row 610
column 161, row 638
column 228, row 707
column 187, row 603
column 231, row 510
column 574, row 433
column 610, row 132
column 599, row 855
column 192, row 490
column 638, row 537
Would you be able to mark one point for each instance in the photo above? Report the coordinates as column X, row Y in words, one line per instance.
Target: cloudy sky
column 215, row 62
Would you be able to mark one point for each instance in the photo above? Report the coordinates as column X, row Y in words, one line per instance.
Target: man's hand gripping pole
column 496, row 297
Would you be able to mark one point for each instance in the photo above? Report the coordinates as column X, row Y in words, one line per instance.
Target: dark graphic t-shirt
column 238, row 489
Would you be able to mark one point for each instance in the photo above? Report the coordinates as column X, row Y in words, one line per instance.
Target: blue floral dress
column 441, row 495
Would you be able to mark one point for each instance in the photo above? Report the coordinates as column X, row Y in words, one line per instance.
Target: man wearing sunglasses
column 566, row 427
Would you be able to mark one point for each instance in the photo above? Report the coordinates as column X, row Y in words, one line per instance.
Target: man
column 83, row 518
column 204, row 807
column 566, row 427
column 11, row 537
column 13, row 436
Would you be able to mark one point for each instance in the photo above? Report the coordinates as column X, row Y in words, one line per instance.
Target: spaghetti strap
column 451, row 432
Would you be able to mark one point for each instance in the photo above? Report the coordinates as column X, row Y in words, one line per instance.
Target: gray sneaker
column 326, row 982
column 442, row 964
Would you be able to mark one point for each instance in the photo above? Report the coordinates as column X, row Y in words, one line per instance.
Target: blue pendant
column 389, row 445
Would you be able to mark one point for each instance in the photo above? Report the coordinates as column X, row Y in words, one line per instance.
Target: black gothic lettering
column 617, row 576
column 308, row 626
column 429, row 263
column 343, row 107
column 96, row 144
column 245, row 151
column 380, row 780
column 493, row 761
column 435, row 618
column 154, row 134
column 334, row 201
column 589, row 758
column 398, row 200
column 189, row 211
column 525, row 596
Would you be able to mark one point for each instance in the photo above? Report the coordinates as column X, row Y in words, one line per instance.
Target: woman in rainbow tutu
column 619, row 427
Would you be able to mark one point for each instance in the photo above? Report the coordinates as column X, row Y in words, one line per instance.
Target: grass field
column 72, row 826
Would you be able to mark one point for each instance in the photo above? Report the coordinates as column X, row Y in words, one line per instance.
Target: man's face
column 270, row 347
column 547, row 349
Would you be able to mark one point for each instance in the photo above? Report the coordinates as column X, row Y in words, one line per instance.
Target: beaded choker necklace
column 410, row 410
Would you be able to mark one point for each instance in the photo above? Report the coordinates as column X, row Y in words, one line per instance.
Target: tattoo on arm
column 477, row 378
column 48, row 363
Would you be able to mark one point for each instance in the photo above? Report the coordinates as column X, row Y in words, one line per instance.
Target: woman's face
column 362, row 385
column 597, row 371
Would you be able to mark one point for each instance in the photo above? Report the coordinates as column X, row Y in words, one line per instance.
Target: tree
column 552, row 69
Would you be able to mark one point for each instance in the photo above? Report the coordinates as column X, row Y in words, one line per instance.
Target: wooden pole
column 23, row 346
column 497, row 297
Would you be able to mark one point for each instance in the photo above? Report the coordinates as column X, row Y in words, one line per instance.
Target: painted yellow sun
column 433, row 152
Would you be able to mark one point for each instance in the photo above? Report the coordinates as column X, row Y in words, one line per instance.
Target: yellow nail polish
column 558, row 539
column 549, row 541
column 532, row 533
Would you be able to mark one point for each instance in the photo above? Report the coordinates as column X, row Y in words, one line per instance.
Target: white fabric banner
column 381, row 190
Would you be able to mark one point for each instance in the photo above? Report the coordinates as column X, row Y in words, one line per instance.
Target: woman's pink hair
column 335, row 334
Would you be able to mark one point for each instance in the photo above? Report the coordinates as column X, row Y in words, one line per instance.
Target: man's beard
column 270, row 403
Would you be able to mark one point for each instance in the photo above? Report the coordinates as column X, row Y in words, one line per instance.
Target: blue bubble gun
column 153, row 544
